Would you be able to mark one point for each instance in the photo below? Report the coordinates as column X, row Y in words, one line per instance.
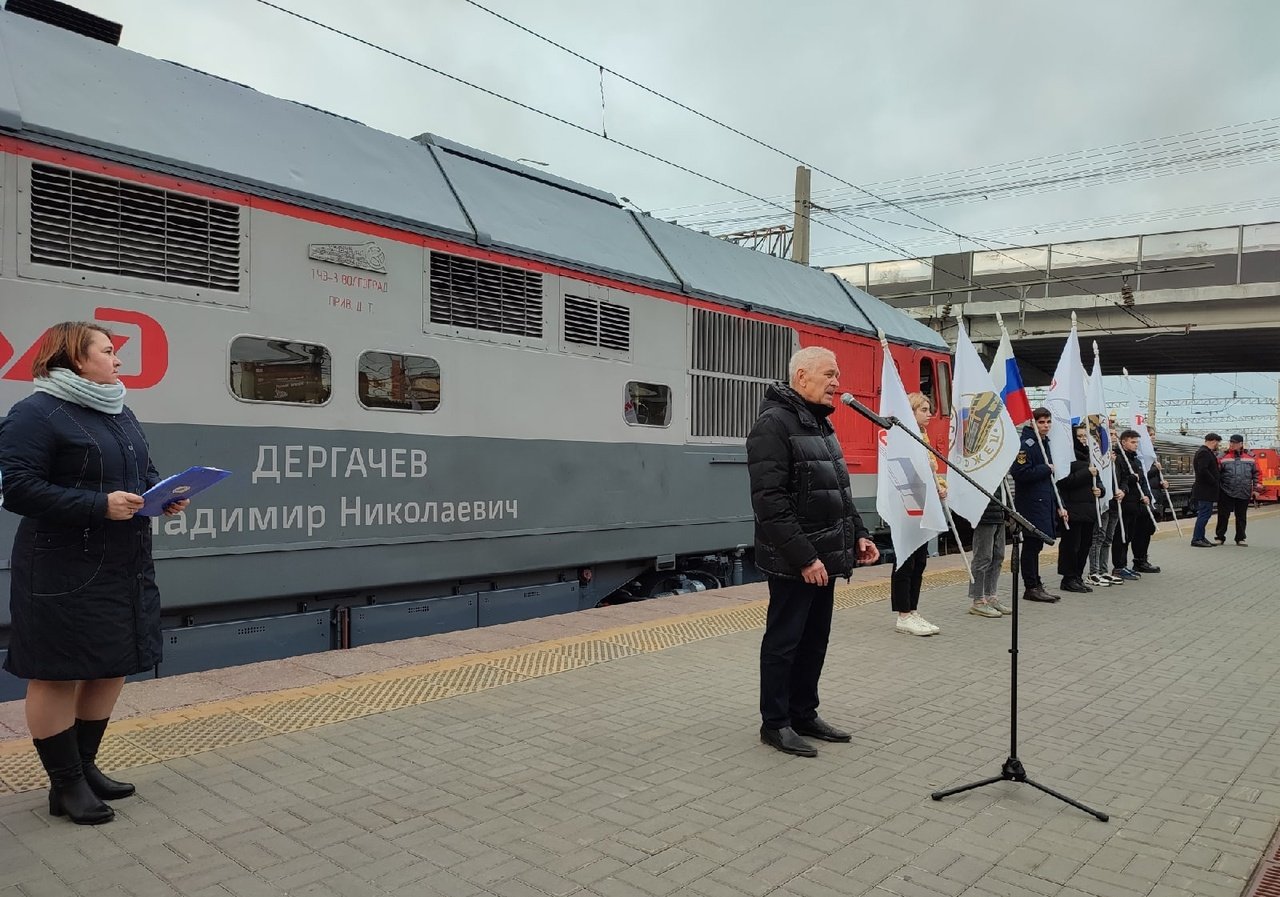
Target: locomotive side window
column 944, row 389
column 277, row 370
column 927, row 380
column 402, row 382
column 647, row 405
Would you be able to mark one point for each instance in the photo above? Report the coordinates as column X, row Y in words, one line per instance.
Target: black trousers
column 1029, row 562
column 1226, row 505
column 1073, row 548
column 1138, row 528
column 904, row 587
column 793, row 650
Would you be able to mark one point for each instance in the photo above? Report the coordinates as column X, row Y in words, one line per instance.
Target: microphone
column 866, row 412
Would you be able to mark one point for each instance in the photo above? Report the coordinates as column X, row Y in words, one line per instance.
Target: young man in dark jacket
column 1034, row 499
column 1239, row 486
column 807, row 533
column 1205, row 489
column 1135, row 513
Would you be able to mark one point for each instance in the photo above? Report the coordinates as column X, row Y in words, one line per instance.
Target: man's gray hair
column 807, row 359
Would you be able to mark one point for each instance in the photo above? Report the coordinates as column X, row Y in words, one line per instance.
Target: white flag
column 1066, row 403
column 1138, row 420
column 906, row 495
column 984, row 442
column 1096, row 408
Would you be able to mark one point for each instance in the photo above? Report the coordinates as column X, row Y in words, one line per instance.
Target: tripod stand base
column 1013, row 771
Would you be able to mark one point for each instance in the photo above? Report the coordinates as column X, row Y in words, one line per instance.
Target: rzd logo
column 154, row 351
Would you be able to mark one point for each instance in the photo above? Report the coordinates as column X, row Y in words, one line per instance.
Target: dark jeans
column 1227, row 504
column 1204, row 510
column 1139, row 528
column 904, row 587
column 793, row 650
column 1029, row 562
column 1073, row 548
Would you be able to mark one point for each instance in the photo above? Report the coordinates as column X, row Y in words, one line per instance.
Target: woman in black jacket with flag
column 1080, row 490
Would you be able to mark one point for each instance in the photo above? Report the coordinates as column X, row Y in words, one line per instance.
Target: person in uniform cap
column 1239, row 485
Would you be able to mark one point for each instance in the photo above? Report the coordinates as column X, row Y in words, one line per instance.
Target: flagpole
column 959, row 545
column 1168, row 498
column 1141, row 472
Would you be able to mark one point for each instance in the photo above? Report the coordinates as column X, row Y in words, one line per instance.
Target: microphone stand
column 1012, row 770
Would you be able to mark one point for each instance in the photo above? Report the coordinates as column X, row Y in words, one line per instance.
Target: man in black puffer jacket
column 807, row 533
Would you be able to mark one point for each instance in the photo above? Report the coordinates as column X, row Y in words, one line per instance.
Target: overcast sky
column 870, row 92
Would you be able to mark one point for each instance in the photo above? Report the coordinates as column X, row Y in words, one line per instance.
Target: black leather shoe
column 820, row 728
column 787, row 741
column 1144, row 567
column 1202, row 543
column 1075, row 585
column 1037, row 593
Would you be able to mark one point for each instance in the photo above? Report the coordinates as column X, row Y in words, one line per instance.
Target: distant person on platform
column 1135, row 513
column 1206, row 488
column 807, row 533
column 1239, row 487
column 1033, row 497
column 1081, row 489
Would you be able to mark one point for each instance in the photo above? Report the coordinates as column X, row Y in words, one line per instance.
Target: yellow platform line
column 205, row 727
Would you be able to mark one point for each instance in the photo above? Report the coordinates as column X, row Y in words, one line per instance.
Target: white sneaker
column 1098, row 580
column 913, row 624
column 916, row 614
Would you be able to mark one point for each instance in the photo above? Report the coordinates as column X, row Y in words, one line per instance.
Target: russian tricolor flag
column 1008, row 382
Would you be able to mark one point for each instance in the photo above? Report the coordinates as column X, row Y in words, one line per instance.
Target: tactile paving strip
column 251, row 719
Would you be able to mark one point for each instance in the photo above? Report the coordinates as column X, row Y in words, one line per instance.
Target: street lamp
column 535, row 162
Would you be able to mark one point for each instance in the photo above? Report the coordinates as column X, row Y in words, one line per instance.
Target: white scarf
column 105, row 397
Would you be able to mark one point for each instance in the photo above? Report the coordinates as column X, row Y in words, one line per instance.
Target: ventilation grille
column 92, row 223
column 734, row 360
column 589, row 322
column 727, row 344
column 484, row 296
column 725, row 407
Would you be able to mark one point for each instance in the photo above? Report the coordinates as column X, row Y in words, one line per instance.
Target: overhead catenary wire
column 870, row 238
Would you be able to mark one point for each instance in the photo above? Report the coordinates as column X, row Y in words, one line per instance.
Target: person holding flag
column 1081, row 490
column 984, row 444
column 907, row 496
column 1101, row 448
column 1136, row 517
column 1035, row 499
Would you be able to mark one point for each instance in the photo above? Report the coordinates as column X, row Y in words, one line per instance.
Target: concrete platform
column 614, row 752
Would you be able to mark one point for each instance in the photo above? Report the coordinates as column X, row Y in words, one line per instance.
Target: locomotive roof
column 59, row 88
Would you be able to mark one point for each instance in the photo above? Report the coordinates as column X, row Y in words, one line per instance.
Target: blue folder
column 191, row 481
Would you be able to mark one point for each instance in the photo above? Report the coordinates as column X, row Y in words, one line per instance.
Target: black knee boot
column 69, row 793
column 89, row 736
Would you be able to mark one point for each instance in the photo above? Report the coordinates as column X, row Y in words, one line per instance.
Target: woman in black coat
column 1080, row 490
column 83, row 598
